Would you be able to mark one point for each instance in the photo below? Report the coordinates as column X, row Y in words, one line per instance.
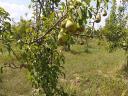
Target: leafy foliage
column 115, row 29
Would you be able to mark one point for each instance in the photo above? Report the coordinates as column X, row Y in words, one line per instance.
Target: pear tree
column 116, row 31
column 54, row 23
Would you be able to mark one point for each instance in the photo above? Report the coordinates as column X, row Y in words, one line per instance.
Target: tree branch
column 40, row 39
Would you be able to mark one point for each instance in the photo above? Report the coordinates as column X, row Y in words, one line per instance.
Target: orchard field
column 93, row 73
column 66, row 48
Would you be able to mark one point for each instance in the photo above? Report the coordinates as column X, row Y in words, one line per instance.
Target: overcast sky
column 18, row 8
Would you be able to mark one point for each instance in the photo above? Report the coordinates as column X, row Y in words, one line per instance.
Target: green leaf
column 98, row 3
column 107, row 0
column 88, row 1
column 80, row 13
column 84, row 11
column 1, row 69
column 90, row 14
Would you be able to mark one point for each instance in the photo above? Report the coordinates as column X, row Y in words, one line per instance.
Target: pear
column 63, row 23
column 62, row 37
column 104, row 13
column 82, row 43
column 80, row 28
column 59, row 14
column 124, row 43
column 98, row 18
column 70, row 26
column 84, row 4
column 71, row 6
column 77, row 2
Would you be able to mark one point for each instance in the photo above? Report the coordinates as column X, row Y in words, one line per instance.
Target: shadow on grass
column 87, row 50
column 124, row 70
column 74, row 52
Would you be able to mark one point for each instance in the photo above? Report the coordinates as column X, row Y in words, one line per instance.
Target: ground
column 92, row 72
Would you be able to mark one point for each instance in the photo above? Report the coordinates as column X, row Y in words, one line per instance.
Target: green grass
column 92, row 73
column 15, row 84
column 14, row 81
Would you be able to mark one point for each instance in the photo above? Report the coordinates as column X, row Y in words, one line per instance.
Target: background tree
column 115, row 29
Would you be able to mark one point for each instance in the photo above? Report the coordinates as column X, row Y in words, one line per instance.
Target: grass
column 14, row 81
column 92, row 73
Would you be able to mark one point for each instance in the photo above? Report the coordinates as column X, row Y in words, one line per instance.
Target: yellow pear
column 59, row 14
column 98, row 18
column 63, row 23
column 104, row 13
column 71, row 6
column 70, row 26
column 77, row 2
column 62, row 37
column 124, row 43
column 80, row 28
column 82, row 43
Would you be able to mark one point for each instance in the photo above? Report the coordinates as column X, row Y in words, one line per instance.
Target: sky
column 18, row 8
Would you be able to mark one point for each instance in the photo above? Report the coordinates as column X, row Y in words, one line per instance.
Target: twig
column 82, row 35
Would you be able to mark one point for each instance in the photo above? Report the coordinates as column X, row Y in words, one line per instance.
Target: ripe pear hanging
column 98, row 18
column 62, row 37
column 70, row 26
column 104, row 13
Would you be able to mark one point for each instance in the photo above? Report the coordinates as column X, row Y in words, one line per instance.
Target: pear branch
column 50, row 29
